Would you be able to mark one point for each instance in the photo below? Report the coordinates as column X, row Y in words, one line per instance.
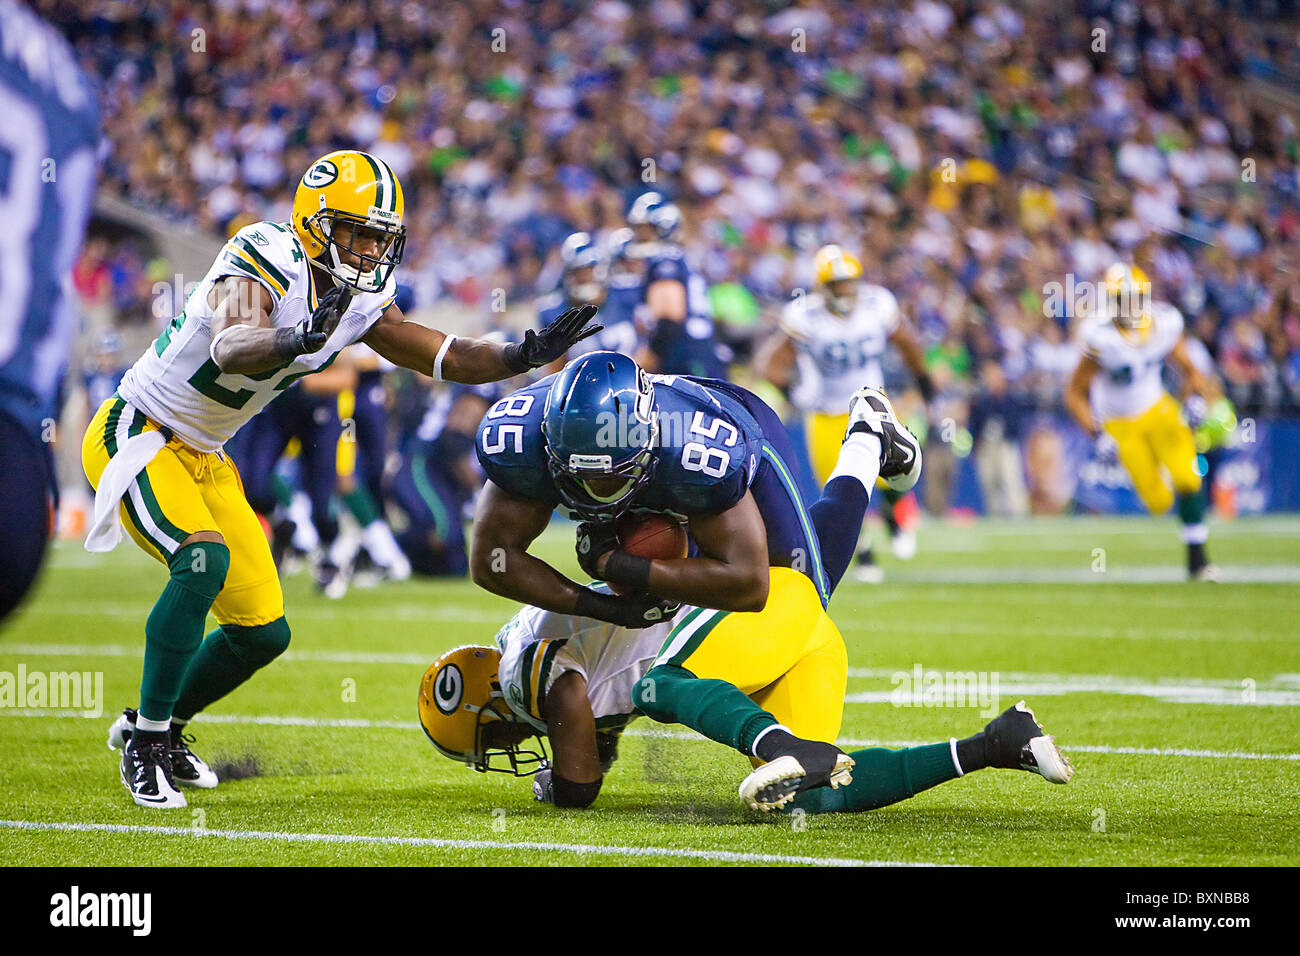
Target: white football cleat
column 903, row 544
column 777, row 782
column 1017, row 741
column 900, row 452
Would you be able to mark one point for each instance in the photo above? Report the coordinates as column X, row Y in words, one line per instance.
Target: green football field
column 1178, row 703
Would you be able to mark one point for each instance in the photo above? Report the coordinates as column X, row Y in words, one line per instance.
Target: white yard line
column 361, row 723
column 578, row 849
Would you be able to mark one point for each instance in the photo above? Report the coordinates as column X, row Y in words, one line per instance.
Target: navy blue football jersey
column 716, row 442
column 695, row 351
column 617, row 314
column 47, row 180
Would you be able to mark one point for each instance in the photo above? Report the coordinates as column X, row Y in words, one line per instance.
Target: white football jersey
column 538, row 646
column 839, row 355
column 1129, row 381
column 177, row 384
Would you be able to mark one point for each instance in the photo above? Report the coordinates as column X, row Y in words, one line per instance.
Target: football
column 652, row 536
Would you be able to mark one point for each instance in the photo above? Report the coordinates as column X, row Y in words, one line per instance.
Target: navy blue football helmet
column 652, row 209
column 600, row 423
column 580, row 253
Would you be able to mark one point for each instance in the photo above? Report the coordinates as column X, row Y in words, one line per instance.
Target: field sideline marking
column 579, row 849
column 361, row 723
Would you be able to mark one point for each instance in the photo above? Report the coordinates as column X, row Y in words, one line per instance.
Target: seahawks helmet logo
column 447, row 689
column 321, row 174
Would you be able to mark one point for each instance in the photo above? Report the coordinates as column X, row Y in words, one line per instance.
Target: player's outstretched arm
column 473, row 361
column 1076, row 395
column 1192, row 380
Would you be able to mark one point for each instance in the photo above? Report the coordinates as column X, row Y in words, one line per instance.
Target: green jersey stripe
column 262, row 261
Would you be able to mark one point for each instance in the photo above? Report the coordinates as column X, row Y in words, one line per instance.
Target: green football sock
column 361, row 505
column 882, row 777
column 175, row 625
column 281, row 491
column 1191, row 508
column 228, row 656
column 718, row 710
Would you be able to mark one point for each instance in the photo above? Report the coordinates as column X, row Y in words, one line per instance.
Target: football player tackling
column 281, row 301
column 768, row 683
column 1116, row 389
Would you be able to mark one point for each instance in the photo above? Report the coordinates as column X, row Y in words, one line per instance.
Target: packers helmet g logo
column 447, row 689
column 322, row 173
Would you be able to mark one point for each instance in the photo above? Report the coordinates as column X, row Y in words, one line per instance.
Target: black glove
column 311, row 334
column 539, row 348
column 634, row 611
column 594, row 539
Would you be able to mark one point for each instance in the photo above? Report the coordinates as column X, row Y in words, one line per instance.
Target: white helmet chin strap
column 366, row 281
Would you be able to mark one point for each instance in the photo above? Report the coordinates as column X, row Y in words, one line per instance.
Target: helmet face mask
column 601, row 434
column 374, row 269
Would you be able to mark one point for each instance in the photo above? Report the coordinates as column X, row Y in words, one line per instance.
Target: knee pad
column 259, row 644
column 201, row 567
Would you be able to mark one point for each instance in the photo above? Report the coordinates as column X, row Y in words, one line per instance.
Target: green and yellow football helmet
column 838, row 273
column 465, row 715
column 359, row 191
column 1128, row 300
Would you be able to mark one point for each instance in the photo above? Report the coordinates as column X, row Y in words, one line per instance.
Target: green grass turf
column 1025, row 601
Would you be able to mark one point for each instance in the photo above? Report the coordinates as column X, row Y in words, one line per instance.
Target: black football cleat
column 188, row 768
column 1015, row 740
column 147, row 772
column 900, row 452
column 805, row 765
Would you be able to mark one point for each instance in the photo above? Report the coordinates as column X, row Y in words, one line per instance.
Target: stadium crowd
column 972, row 153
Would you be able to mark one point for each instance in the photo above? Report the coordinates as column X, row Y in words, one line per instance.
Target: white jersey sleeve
column 840, row 354
column 177, row 384
column 538, row 646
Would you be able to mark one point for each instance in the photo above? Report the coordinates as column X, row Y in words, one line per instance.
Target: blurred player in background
column 362, row 452
column 281, row 301
column 586, row 280
column 830, row 343
column 1116, row 394
column 677, row 315
column 47, row 180
column 307, row 416
column 437, row 477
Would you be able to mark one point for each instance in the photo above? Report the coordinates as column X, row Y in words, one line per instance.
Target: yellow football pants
column 825, row 434
column 789, row 658
column 180, row 493
column 1158, row 437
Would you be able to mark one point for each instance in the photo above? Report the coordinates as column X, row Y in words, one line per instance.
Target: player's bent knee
column 201, row 566
column 653, row 693
column 258, row 644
